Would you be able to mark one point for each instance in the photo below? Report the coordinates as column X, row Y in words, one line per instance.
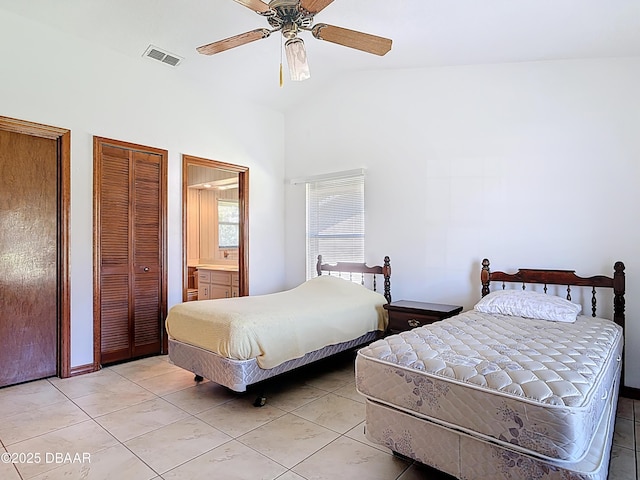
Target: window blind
column 335, row 221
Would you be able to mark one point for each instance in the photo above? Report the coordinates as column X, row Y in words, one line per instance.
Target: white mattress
column 536, row 386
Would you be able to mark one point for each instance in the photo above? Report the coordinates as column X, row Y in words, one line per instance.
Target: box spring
column 238, row 374
column 541, row 388
column 471, row 458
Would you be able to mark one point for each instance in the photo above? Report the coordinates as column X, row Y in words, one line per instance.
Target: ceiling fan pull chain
column 281, row 77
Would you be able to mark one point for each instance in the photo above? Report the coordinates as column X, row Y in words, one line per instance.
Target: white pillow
column 522, row 303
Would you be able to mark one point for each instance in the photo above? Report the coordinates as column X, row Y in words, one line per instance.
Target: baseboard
column 82, row 369
column 629, row 392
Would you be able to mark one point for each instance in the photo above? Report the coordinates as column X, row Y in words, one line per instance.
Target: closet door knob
column 146, row 269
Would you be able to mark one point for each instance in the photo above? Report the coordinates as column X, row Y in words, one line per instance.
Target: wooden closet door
column 147, row 254
column 28, row 258
column 114, row 254
column 130, row 250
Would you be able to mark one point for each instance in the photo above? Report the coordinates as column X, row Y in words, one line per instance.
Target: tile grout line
column 191, row 415
column 326, row 393
column 292, row 412
column 93, row 418
column 4, row 447
column 119, row 442
column 635, row 410
column 105, row 430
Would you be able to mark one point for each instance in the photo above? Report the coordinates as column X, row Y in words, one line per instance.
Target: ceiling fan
column 290, row 17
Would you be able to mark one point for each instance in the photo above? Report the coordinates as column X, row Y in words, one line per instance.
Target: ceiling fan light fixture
column 297, row 59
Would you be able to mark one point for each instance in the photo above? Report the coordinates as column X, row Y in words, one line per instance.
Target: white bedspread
column 281, row 326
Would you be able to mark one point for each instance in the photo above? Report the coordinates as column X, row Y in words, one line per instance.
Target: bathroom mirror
column 215, row 229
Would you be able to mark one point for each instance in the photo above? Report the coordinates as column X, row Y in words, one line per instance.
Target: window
column 228, row 224
column 335, row 220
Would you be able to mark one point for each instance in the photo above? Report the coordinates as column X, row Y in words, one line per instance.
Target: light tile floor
column 148, row 419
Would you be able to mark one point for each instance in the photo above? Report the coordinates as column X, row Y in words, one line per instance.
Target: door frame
column 243, row 198
column 97, row 320
column 62, row 137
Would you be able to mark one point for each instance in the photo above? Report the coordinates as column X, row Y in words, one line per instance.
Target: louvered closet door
column 130, row 254
column 147, row 249
column 114, row 289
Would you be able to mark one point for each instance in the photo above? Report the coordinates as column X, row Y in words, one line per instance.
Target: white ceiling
column 425, row 33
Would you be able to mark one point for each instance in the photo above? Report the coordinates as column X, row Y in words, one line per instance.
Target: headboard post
column 618, row 293
column 319, row 265
column 484, row 277
column 386, row 271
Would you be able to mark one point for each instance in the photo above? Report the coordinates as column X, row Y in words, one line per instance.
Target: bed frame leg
column 260, row 400
column 198, row 378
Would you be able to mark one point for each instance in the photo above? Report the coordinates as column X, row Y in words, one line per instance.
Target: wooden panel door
column 130, row 291
column 28, row 258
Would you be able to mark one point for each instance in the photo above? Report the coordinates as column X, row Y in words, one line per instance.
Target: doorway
column 215, row 213
column 34, row 229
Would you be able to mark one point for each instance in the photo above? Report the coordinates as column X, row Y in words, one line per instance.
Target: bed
column 521, row 387
column 237, row 342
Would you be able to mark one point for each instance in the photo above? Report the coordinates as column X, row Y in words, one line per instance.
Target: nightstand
column 405, row 314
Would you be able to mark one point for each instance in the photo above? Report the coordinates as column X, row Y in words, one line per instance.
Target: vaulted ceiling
column 425, row 33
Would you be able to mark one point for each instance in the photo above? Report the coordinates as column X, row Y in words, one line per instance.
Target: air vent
column 162, row 56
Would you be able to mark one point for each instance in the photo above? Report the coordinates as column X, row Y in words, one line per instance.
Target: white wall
column 49, row 77
column 530, row 165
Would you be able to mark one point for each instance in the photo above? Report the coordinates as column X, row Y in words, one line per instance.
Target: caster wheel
column 198, row 378
column 260, row 401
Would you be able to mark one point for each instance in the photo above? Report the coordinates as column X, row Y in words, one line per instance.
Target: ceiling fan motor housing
column 289, row 17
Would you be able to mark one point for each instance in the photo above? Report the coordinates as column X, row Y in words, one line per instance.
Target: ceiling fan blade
column 350, row 38
column 255, row 5
column 314, row 6
column 235, row 41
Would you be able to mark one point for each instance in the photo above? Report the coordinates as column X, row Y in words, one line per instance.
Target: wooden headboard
column 566, row 278
column 361, row 268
